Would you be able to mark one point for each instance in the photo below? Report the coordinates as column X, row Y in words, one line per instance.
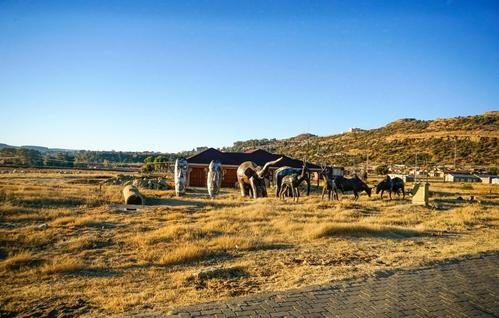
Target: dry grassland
column 65, row 251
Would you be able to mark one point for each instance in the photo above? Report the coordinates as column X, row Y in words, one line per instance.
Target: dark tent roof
column 258, row 156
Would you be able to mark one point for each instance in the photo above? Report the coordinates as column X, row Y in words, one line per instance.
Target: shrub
column 467, row 186
column 382, row 170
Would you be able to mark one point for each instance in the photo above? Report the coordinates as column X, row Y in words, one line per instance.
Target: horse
column 391, row 185
column 354, row 184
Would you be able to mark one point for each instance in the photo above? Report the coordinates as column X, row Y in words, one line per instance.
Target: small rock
column 42, row 226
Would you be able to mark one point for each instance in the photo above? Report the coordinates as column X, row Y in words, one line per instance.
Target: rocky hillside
column 473, row 139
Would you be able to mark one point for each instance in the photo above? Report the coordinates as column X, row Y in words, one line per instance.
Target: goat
column 292, row 182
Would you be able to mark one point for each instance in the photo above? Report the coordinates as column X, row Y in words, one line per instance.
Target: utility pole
column 455, row 152
column 319, row 156
column 416, row 168
column 367, row 162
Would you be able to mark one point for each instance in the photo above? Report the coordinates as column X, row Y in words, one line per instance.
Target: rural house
column 486, row 178
column 461, row 177
column 436, row 173
column 198, row 165
column 404, row 177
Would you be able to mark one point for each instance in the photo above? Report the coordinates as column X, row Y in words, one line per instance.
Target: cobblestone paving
column 465, row 288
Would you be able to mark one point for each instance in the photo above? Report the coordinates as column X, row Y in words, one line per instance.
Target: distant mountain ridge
column 38, row 148
column 471, row 140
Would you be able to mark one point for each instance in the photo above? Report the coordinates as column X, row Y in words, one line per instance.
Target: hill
column 472, row 139
column 37, row 148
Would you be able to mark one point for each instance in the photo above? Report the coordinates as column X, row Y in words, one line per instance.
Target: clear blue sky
column 173, row 75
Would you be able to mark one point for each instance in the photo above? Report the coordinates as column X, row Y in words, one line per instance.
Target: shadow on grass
column 24, row 264
column 443, row 194
column 227, row 273
column 91, row 272
column 50, row 202
column 446, row 204
column 97, row 224
column 270, row 246
column 91, row 181
column 190, row 204
column 96, row 244
column 360, row 207
column 174, row 202
column 489, row 203
column 208, row 258
column 72, row 308
column 3, row 254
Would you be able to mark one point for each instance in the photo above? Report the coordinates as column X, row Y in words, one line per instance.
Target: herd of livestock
column 287, row 180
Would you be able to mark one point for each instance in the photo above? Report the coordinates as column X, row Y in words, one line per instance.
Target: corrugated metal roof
column 258, row 156
column 486, row 175
column 462, row 175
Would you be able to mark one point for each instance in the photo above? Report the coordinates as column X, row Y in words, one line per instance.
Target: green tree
column 160, row 163
column 493, row 170
column 28, row 157
column 148, row 165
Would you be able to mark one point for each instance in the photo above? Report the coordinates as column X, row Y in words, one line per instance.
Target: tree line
column 150, row 161
column 25, row 157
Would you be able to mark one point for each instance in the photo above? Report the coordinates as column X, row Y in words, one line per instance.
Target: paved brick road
column 466, row 288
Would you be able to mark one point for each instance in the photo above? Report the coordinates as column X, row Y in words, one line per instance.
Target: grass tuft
column 355, row 229
column 62, row 265
column 21, row 261
column 185, row 254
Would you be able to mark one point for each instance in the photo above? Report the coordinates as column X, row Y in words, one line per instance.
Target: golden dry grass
column 184, row 254
column 64, row 249
column 19, row 261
